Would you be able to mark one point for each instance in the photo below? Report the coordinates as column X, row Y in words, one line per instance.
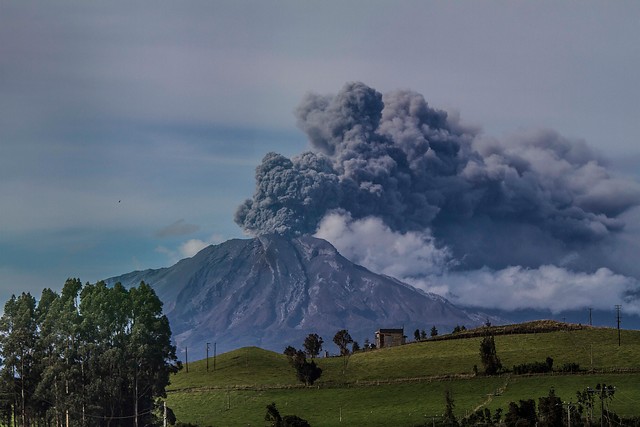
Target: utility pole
column 618, row 307
column 207, row 357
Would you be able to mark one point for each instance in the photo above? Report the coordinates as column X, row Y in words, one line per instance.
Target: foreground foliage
column 93, row 355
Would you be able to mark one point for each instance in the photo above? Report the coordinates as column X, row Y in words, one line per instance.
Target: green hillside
column 404, row 385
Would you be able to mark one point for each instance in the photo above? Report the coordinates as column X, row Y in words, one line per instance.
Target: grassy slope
column 368, row 392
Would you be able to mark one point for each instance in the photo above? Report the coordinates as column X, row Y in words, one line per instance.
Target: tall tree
column 489, row 357
column 449, row 418
column 18, row 335
column 313, row 345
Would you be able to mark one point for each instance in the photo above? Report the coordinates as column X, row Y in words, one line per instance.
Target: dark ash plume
column 396, row 158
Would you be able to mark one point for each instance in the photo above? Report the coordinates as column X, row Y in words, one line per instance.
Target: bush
column 570, row 367
column 534, row 368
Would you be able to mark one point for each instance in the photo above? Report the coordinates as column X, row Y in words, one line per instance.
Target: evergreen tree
column 489, row 357
column 449, row 418
column 434, row 332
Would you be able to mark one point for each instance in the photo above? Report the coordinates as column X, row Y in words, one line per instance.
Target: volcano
column 272, row 291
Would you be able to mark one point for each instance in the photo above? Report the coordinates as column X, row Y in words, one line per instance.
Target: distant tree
column 355, row 347
column 449, row 418
column 367, row 344
column 586, row 401
column 489, row 357
column 290, row 351
column 483, row 417
column 434, row 332
column 274, row 418
column 523, row 414
column 423, row 335
column 459, row 328
column 306, row 372
column 313, row 345
column 342, row 339
column 294, row 421
column 416, row 335
column 550, row 410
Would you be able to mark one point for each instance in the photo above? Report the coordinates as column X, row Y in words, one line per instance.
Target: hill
column 400, row 385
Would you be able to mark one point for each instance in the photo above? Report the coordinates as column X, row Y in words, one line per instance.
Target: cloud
column 415, row 258
column 545, row 288
column 189, row 248
column 178, row 228
column 371, row 243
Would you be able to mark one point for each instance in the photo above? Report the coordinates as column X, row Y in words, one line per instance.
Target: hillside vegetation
column 405, row 385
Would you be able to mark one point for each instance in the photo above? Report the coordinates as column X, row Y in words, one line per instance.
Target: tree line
column 93, row 355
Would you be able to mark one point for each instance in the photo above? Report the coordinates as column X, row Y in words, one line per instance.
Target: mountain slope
column 272, row 291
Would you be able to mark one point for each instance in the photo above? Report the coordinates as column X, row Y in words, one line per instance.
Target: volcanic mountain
column 272, row 291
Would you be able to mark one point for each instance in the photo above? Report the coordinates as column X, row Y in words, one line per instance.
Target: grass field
column 403, row 385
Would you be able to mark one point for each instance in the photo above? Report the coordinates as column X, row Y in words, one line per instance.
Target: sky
column 130, row 132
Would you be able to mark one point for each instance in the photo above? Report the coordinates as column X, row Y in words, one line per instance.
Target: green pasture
column 404, row 385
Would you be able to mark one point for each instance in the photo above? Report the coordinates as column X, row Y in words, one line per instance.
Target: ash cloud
column 416, row 168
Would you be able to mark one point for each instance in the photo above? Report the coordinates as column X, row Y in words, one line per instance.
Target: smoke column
column 395, row 158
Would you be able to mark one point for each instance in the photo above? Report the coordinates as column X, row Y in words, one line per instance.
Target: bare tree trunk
column 135, row 403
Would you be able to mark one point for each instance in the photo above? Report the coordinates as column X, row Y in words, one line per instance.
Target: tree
column 91, row 353
column 449, row 418
column 434, row 332
column 276, row 420
column 489, row 357
column 273, row 415
column 367, row 344
column 290, row 351
column 521, row 415
column 342, row 339
column 306, row 372
column 458, row 329
column 550, row 410
column 423, row 335
column 355, row 347
column 313, row 345
column 18, row 335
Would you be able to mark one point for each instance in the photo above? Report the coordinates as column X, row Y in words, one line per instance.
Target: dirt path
column 498, row 392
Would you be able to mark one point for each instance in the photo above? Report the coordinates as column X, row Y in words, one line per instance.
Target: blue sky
column 130, row 131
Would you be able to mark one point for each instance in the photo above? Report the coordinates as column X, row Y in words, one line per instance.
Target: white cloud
column 545, row 288
column 372, row 244
column 415, row 258
column 189, row 248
